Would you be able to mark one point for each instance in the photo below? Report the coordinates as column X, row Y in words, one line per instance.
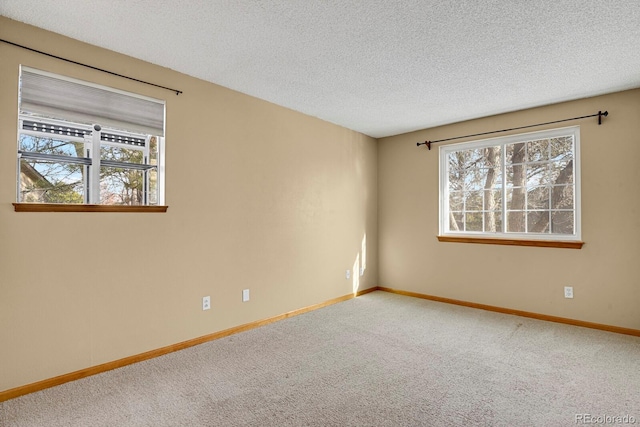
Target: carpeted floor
column 377, row 360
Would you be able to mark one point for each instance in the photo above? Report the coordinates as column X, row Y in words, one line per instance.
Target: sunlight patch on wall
column 356, row 274
column 363, row 253
column 360, row 265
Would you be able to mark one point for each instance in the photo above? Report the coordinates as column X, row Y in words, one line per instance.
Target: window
column 517, row 187
column 79, row 143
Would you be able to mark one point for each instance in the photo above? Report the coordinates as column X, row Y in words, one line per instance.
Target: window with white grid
column 521, row 186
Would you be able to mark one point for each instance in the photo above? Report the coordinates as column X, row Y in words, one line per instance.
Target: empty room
column 291, row 213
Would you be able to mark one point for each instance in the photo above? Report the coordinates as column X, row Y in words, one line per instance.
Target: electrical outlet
column 347, row 275
column 245, row 295
column 568, row 291
column 206, row 303
column 362, row 271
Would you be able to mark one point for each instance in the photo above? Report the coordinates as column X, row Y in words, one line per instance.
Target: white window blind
column 48, row 95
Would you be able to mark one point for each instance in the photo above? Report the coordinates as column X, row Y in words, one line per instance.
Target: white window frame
column 445, row 150
column 92, row 140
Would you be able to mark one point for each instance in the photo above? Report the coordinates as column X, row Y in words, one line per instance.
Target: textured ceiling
column 378, row 67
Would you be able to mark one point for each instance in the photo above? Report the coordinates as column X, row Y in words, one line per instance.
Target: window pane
column 563, row 197
column 153, row 187
column 473, row 200
column 452, row 161
column 121, row 154
column 58, row 146
column 153, row 150
column 538, row 198
column 516, row 175
column 562, row 148
column 474, row 157
column 538, row 221
column 51, row 182
column 492, row 200
column 476, row 179
column 473, row 221
column 460, row 160
column 515, row 198
column 499, row 181
column 456, row 179
column 466, row 159
column 456, row 221
column 119, row 186
column 515, row 153
column 493, row 222
column 516, row 222
column 538, row 150
column 537, row 174
column 474, row 169
column 456, row 201
column 561, row 173
column 491, row 158
column 562, row 222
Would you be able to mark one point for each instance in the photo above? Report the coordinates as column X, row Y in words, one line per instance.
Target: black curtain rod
column 178, row 92
column 600, row 115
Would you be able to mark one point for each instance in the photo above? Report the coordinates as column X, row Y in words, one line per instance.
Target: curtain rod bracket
column 427, row 143
column 600, row 115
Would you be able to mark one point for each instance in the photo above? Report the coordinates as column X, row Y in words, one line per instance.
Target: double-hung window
column 516, row 187
column 80, row 143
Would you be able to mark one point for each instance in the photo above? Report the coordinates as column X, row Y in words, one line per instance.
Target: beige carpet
column 378, row 360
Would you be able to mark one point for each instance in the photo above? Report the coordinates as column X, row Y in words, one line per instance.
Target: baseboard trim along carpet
column 93, row 370
column 61, row 379
column 556, row 319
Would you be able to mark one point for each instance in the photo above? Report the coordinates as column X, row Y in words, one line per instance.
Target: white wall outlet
column 245, row 295
column 362, row 271
column 347, row 275
column 568, row 291
column 206, row 303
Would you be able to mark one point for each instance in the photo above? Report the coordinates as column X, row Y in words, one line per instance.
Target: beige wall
column 259, row 197
column 605, row 273
column 265, row 198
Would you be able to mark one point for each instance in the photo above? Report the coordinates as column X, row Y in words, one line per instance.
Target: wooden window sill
column 514, row 242
column 59, row 207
